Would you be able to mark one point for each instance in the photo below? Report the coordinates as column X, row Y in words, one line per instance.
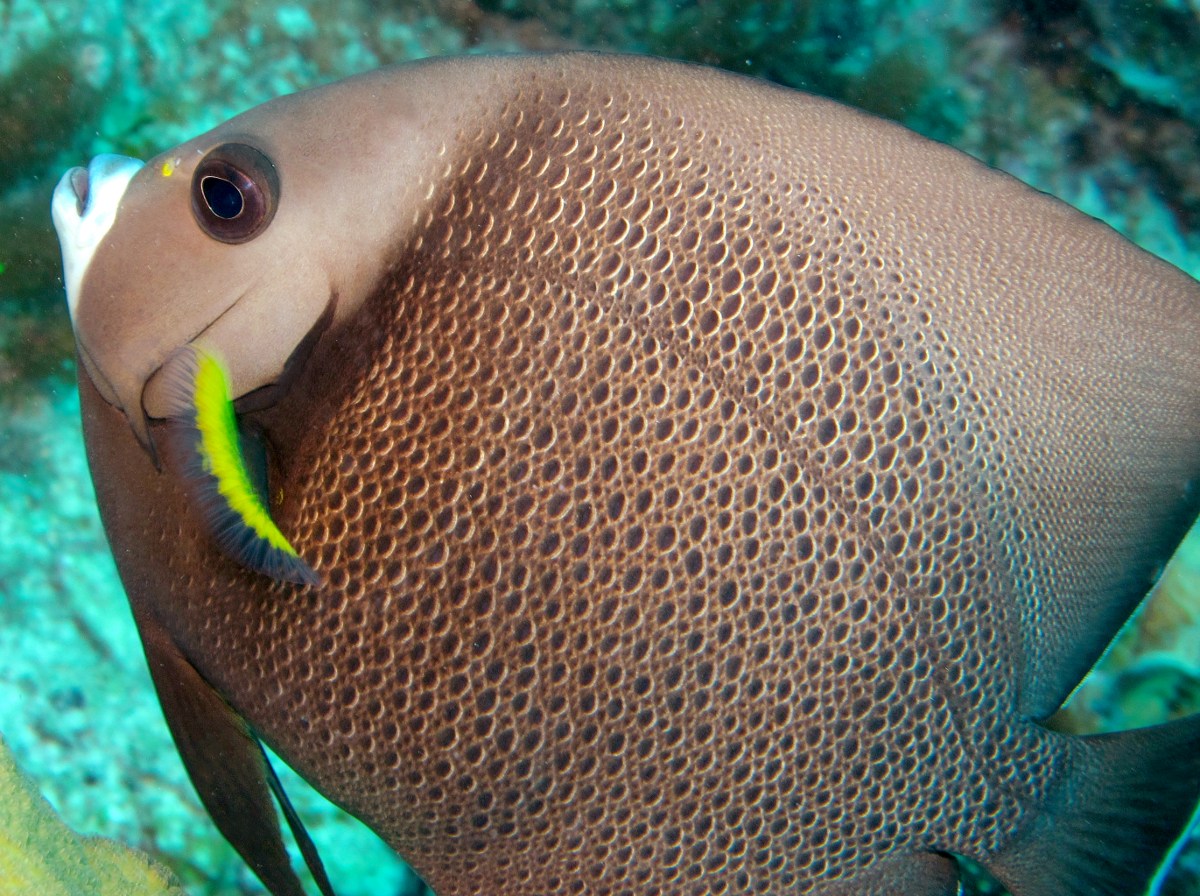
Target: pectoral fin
column 207, row 453
column 229, row 769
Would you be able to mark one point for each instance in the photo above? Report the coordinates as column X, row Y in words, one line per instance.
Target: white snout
column 84, row 208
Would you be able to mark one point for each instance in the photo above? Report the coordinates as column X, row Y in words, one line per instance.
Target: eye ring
column 235, row 191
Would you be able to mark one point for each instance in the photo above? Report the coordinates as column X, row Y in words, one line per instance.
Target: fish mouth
column 84, row 207
column 78, row 180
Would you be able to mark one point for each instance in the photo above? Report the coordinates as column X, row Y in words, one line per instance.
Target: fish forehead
column 673, row 488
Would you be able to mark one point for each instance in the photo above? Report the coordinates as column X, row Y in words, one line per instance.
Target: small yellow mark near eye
column 168, row 167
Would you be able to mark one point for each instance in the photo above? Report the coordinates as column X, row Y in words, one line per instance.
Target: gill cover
column 207, row 448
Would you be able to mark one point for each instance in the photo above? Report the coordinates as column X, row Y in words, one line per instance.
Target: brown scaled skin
column 711, row 494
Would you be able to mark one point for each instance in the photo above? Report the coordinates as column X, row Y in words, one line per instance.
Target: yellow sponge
column 41, row 856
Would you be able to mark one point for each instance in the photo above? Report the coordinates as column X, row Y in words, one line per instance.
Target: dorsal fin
column 228, row 768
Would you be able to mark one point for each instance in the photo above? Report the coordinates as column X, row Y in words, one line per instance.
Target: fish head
column 201, row 227
column 237, row 242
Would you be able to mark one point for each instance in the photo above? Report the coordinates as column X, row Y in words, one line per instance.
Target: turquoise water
column 1081, row 99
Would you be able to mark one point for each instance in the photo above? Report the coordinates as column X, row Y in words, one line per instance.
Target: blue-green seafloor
column 1087, row 100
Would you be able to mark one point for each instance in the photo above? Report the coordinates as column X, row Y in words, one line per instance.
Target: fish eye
column 235, row 190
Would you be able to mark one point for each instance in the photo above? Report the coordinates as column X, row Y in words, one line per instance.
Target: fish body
column 708, row 488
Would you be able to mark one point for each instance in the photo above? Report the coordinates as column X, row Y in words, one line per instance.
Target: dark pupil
column 223, row 198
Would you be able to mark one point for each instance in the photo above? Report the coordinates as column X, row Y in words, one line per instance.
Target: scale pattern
column 655, row 523
column 681, row 532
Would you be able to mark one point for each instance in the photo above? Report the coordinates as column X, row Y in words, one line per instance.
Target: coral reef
column 1094, row 100
column 39, row 854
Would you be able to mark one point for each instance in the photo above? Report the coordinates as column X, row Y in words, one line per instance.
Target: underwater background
column 1096, row 101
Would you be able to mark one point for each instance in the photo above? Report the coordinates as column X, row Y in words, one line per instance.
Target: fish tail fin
column 1115, row 820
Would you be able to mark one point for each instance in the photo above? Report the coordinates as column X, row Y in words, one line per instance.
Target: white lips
column 84, row 208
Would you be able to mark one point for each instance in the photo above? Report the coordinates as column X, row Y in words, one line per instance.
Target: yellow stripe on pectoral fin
column 205, row 436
